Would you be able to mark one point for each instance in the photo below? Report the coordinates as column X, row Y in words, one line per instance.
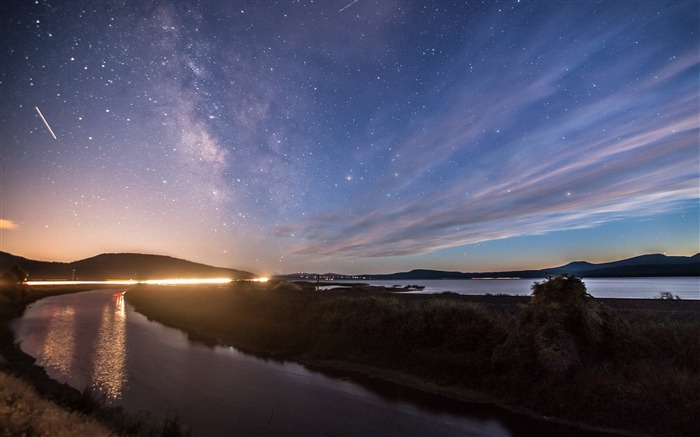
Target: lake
column 94, row 339
column 629, row 288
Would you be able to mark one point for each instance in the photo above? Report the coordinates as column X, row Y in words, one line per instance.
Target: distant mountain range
column 142, row 266
column 640, row 266
column 135, row 266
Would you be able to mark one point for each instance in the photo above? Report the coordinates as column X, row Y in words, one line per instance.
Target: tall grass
column 24, row 412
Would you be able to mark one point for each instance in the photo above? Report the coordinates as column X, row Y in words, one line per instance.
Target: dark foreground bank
column 625, row 365
column 33, row 404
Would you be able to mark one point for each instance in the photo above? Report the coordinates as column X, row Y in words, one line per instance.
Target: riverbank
column 31, row 403
column 24, row 412
column 633, row 367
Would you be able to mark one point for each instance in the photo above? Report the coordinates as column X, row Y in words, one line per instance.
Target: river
column 94, row 339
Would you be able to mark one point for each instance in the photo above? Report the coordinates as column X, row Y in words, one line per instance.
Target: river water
column 94, row 339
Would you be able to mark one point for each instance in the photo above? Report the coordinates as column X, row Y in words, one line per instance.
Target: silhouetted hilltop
column 119, row 266
column 655, row 265
column 644, row 265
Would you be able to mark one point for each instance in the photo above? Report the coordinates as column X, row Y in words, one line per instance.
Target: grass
column 572, row 358
column 24, row 412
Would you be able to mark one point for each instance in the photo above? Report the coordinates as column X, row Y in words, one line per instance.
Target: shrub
column 561, row 328
column 564, row 289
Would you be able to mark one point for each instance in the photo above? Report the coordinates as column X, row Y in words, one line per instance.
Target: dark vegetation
column 14, row 297
column 562, row 354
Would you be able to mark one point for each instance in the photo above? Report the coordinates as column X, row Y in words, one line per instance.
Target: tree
column 14, row 275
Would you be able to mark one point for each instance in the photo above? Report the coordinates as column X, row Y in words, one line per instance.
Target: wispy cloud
column 515, row 157
column 8, row 224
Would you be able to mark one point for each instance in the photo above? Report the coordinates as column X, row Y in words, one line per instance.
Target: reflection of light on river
column 58, row 349
column 110, row 354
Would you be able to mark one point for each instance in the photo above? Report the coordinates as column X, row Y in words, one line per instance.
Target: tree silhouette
column 14, row 275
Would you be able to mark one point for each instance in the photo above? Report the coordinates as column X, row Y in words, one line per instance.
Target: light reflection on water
column 110, row 350
column 71, row 338
column 60, row 341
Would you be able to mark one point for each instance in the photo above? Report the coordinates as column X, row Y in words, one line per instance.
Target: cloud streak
column 8, row 224
column 544, row 155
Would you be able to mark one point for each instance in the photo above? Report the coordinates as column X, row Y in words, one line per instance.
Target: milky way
column 365, row 136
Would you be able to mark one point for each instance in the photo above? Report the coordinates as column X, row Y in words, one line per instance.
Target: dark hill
column 639, row 266
column 644, row 265
column 576, row 266
column 119, row 266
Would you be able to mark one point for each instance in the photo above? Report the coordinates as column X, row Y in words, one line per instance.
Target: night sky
column 351, row 136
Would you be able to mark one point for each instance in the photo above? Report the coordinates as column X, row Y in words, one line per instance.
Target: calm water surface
column 628, row 288
column 94, row 339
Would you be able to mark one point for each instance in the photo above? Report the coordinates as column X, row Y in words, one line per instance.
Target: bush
column 567, row 290
column 558, row 331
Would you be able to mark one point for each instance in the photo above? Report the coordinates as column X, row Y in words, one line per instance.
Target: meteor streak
column 45, row 122
column 347, row 6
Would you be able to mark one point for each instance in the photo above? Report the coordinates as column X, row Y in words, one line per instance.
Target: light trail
column 45, row 122
column 110, row 282
column 170, row 281
column 347, row 6
column 186, row 281
column 179, row 281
